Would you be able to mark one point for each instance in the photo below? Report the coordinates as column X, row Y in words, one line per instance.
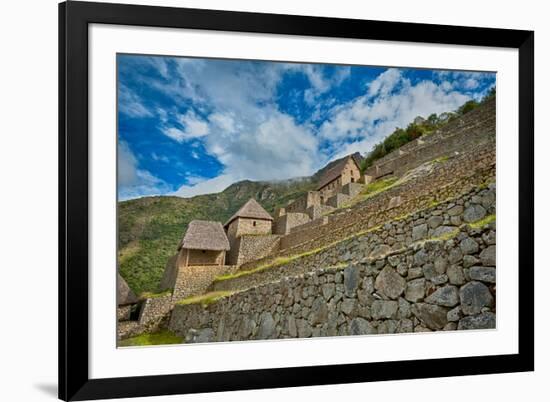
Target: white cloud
column 463, row 80
column 225, row 121
column 319, row 83
column 245, row 131
column 127, row 166
column 195, row 127
column 471, row 83
column 391, row 101
column 385, row 82
column 130, row 104
column 160, row 158
column 132, row 181
column 207, row 186
column 192, row 127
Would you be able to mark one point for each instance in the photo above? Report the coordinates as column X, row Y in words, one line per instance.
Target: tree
column 467, row 107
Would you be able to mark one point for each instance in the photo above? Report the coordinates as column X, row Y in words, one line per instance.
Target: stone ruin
column 429, row 295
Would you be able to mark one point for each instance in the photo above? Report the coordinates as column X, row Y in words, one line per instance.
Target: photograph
column 266, row 200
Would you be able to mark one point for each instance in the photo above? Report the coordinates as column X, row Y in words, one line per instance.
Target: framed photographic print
column 257, row 201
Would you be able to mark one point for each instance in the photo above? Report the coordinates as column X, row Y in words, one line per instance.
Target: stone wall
column 317, row 211
column 311, row 224
column 285, row 223
column 154, row 309
column 253, row 226
column 338, row 200
column 170, row 273
column 352, row 189
column 445, row 284
column 123, row 312
column 301, row 204
column 446, row 180
column 250, row 248
column 245, row 226
column 392, row 236
column 202, row 257
column 193, row 280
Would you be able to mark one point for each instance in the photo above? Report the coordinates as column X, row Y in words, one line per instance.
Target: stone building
column 125, row 299
column 201, row 256
column 250, row 219
column 204, row 243
column 346, row 171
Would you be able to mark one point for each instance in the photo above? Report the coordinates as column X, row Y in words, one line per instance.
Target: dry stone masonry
column 421, row 273
column 427, row 287
column 418, row 256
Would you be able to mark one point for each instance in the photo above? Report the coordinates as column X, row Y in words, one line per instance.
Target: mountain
column 150, row 228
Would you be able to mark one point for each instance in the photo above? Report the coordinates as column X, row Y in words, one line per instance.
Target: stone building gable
column 344, row 167
column 252, row 210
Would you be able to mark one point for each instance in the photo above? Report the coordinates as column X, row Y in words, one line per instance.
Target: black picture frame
column 74, row 18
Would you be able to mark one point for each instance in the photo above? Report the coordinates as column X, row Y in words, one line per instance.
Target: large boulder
column 390, row 283
column 474, row 296
column 360, row 326
column 420, row 232
column 474, row 213
column 446, row 296
column 483, row 274
column 351, row 280
column 382, row 309
column 415, row 290
column 319, row 311
column 433, row 316
column 488, row 256
column 266, row 328
column 469, row 246
column 486, row 320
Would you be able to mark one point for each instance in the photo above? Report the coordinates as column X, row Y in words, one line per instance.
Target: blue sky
column 194, row 126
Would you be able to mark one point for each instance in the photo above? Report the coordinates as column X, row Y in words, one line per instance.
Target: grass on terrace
column 482, row 222
column 151, row 295
column 378, row 186
column 206, row 299
column 163, row 337
column 275, row 263
column 369, row 191
column 279, row 261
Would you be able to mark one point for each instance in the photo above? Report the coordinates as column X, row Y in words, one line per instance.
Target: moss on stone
column 275, row 263
column 441, row 159
column 378, row 186
column 163, row 337
column 482, row 222
column 206, row 299
column 151, row 295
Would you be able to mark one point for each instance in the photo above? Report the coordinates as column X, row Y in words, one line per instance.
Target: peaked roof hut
column 205, row 235
column 124, row 295
column 252, row 210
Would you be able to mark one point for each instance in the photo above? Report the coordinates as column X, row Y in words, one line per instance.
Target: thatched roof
column 205, row 235
column 336, row 171
column 124, row 295
column 251, row 209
